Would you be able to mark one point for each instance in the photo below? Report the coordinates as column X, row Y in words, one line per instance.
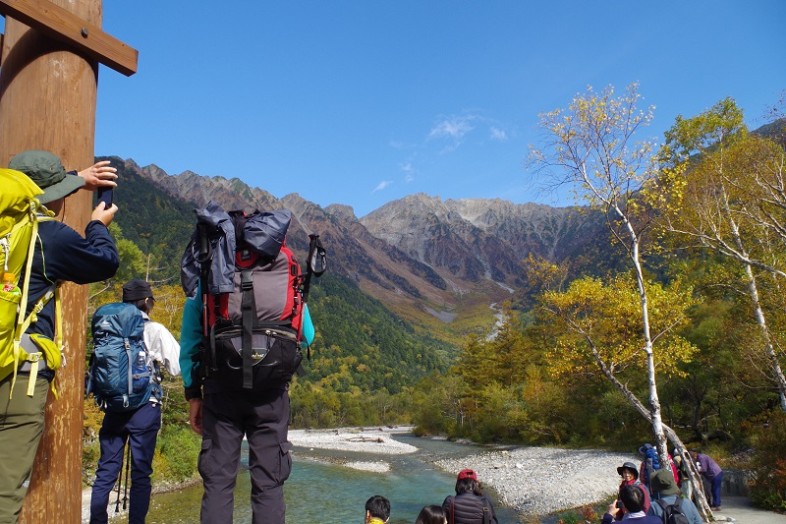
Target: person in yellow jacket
column 377, row 510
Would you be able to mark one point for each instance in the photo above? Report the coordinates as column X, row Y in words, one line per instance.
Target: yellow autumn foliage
column 599, row 322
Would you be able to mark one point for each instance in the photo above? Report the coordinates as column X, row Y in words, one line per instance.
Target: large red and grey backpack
column 253, row 295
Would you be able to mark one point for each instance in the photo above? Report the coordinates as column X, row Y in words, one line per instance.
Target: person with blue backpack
column 126, row 382
column 651, row 463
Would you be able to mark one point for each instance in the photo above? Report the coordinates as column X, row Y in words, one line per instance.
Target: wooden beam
column 60, row 24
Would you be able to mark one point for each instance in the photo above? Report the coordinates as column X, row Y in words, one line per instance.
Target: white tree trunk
column 753, row 292
column 769, row 348
column 701, row 500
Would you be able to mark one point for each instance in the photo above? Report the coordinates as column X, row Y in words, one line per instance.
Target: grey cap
column 46, row 170
column 628, row 465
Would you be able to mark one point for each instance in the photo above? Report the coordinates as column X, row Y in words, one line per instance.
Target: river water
column 319, row 491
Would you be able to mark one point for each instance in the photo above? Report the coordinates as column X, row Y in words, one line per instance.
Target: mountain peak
column 341, row 211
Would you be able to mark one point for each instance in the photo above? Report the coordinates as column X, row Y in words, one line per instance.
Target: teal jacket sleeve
column 191, row 346
column 308, row 327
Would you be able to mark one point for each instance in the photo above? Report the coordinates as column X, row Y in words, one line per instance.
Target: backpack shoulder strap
column 486, row 510
column 37, row 214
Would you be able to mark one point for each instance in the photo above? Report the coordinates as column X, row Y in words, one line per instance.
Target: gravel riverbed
column 532, row 480
column 538, row 481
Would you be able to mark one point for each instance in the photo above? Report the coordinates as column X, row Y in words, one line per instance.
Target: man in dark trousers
column 223, row 416
column 713, row 477
column 61, row 254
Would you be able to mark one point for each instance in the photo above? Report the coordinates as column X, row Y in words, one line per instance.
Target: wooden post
column 48, row 79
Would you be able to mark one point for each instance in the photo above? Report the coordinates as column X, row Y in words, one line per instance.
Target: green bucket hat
column 662, row 482
column 46, row 170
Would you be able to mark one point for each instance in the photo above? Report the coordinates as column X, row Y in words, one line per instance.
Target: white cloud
column 498, row 134
column 382, row 185
column 409, row 171
column 455, row 127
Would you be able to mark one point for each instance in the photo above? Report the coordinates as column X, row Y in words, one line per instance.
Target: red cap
column 467, row 474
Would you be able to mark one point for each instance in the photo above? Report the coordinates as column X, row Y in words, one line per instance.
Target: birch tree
column 726, row 193
column 593, row 149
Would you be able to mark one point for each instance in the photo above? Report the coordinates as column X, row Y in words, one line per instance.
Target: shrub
column 91, row 449
column 176, row 455
column 768, row 436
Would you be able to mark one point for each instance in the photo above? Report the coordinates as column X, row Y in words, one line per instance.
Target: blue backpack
column 121, row 376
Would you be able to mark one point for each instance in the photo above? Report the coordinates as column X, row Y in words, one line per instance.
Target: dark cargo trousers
column 263, row 418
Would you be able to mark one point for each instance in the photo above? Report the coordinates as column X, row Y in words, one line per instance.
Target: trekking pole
column 316, row 263
column 119, row 480
column 128, row 467
column 204, row 257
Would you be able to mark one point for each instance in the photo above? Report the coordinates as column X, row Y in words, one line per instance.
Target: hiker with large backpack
column 125, row 379
column 651, row 463
column 470, row 505
column 669, row 504
column 244, row 323
column 37, row 254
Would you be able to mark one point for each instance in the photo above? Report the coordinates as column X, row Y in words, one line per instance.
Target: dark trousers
column 140, row 427
column 263, row 419
column 713, row 488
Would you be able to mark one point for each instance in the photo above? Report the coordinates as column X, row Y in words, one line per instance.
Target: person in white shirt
column 139, row 427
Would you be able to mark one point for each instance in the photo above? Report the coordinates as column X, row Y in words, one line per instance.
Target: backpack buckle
column 246, row 280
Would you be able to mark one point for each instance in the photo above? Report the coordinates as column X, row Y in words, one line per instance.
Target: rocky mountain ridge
column 422, row 257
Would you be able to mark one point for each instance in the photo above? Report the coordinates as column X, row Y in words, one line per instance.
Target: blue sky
column 366, row 101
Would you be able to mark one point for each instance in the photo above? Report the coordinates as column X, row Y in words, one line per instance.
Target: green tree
column 133, row 261
column 725, row 191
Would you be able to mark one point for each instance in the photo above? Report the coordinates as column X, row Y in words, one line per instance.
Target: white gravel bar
column 373, row 440
column 538, row 481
